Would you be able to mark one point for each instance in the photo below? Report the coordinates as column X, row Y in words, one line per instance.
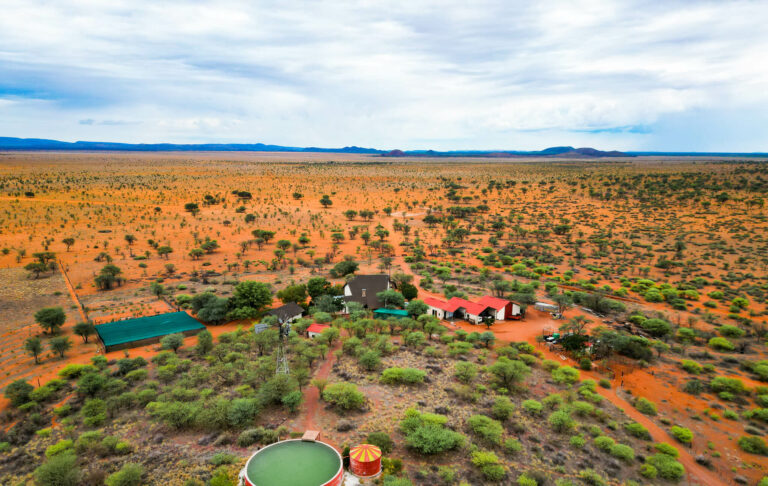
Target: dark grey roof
column 372, row 284
column 285, row 312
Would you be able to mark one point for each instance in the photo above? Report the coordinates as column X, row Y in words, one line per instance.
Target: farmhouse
column 471, row 311
column 363, row 289
column 440, row 309
column 287, row 313
column 505, row 309
column 316, row 329
column 132, row 333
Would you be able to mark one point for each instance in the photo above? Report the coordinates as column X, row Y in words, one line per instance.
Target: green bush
column 721, row 344
column 604, row 443
column 409, row 376
column 129, row 475
column 645, row 406
column 592, row 478
column 344, row 395
column 502, row 408
column 533, row 407
column 489, row 465
column 525, row 480
column 583, row 408
column 577, row 441
column 95, row 412
column 59, row 470
column 561, row 421
column 667, row 449
column 486, row 428
column 221, row 458
column 730, row 385
column 753, row 445
column 62, row 446
column 623, row 452
column 648, row 471
column 666, row 466
column 465, row 372
column 512, row 446
column 637, row 430
column 691, row 366
column 565, row 375
column 731, row 331
column 682, row 434
column 382, row 440
column 426, row 433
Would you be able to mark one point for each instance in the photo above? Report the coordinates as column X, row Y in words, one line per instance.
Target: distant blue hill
column 9, row 143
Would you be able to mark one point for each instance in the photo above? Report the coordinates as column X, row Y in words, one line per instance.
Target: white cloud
column 486, row 74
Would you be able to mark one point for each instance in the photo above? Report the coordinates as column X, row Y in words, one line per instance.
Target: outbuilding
column 504, row 309
column 471, row 311
column 287, row 313
column 440, row 308
column 316, row 329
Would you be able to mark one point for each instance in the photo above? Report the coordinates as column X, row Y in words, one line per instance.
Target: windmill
column 282, row 360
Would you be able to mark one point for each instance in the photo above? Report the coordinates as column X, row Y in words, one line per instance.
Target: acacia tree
column 60, row 345
column 108, row 276
column 50, row 319
column 34, row 347
column 68, row 242
column 84, row 330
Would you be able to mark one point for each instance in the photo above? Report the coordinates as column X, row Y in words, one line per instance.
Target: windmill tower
column 282, row 360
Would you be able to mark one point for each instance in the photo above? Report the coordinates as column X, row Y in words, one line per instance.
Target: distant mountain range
column 9, row 143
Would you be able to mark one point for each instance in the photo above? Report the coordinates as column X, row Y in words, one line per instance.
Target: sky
column 415, row 74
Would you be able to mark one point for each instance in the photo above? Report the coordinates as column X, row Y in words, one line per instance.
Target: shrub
column 666, row 466
column 512, row 446
column 561, row 421
column 577, row 441
column 730, row 385
column 648, row 471
column 667, row 449
column 62, row 446
column 427, row 434
column 731, row 331
column 525, row 480
column 344, row 395
column 682, row 434
column 382, row 440
column 18, row 392
column 408, row 376
column 370, row 360
column 533, row 407
column 74, row 370
column 623, row 452
column 691, row 366
column 721, row 344
column 129, row 475
column 465, row 372
column 637, row 430
column 656, row 327
column 604, row 443
column 221, row 458
column 753, row 445
column 59, row 470
column 502, row 408
column 95, row 412
column 486, row 428
column 645, row 406
column 488, row 463
column 583, row 408
column 592, row 478
column 565, row 375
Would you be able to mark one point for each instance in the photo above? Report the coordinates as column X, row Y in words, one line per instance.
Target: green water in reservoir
column 294, row 464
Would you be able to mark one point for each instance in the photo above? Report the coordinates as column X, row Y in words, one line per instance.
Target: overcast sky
column 628, row 75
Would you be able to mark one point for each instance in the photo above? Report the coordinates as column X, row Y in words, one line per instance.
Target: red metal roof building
column 505, row 309
column 315, row 329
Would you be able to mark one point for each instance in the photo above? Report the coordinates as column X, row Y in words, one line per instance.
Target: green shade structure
column 385, row 313
column 146, row 330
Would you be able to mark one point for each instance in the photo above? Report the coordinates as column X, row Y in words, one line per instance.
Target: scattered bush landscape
column 659, row 376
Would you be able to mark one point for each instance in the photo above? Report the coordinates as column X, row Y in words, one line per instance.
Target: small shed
column 387, row 313
column 316, row 329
